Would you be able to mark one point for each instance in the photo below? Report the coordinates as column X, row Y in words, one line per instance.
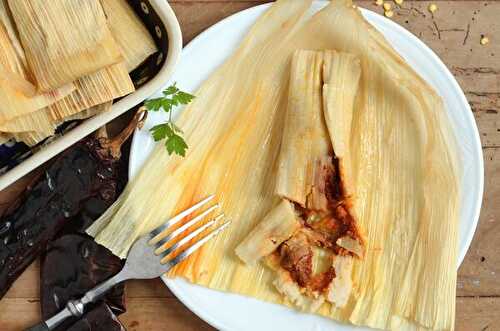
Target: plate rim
column 172, row 284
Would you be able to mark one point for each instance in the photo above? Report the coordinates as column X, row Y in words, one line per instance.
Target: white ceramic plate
column 204, row 54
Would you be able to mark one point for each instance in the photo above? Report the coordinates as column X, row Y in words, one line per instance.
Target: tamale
column 341, row 75
column 129, row 32
column 30, row 138
column 4, row 137
column 39, row 121
column 90, row 112
column 95, row 89
column 18, row 96
column 404, row 164
column 305, row 141
column 64, row 39
column 276, row 227
column 40, row 125
column 309, row 175
column 12, row 54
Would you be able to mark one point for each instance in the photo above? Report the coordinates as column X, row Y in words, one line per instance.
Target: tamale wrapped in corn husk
column 341, row 78
column 4, row 137
column 95, row 89
column 129, row 32
column 305, row 143
column 30, row 138
column 12, row 55
column 47, row 125
column 404, row 166
column 276, row 227
column 39, row 121
column 309, row 175
column 90, row 112
column 18, row 96
column 64, row 39
column 102, row 86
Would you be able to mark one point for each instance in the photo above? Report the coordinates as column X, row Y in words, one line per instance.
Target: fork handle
column 39, row 327
column 76, row 308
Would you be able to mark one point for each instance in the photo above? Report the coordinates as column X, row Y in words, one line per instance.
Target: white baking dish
column 167, row 16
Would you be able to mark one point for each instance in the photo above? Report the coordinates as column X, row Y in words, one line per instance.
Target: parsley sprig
column 172, row 97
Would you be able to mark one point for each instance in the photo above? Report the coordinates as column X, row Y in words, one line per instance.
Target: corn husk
column 403, row 158
column 341, row 81
column 64, row 39
column 30, row 138
column 91, row 112
column 129, row 32
column 276, row 227
column 95, row 89
column 322, row 88
column 18, row 96
column 105, row 85
column 4, row 137
column 305, row 146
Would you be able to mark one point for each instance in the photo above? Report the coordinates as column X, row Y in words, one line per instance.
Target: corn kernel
column 433, row 7
column 379, row 2
column 387, row 6
column 484, row 40
column 399, row 2
column 389, row 13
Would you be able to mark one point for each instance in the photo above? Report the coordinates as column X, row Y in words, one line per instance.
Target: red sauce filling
column 321, row 229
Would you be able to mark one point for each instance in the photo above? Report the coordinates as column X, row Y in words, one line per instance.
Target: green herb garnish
column 172, row 96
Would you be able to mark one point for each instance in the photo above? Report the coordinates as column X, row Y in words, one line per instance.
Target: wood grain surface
column 453, row 32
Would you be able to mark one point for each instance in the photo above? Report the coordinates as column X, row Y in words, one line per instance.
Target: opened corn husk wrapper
column 396, row 152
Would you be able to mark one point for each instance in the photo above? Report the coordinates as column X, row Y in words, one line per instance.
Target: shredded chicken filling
column 321, row 228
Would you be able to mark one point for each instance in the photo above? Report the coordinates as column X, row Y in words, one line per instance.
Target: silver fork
column 147, row 259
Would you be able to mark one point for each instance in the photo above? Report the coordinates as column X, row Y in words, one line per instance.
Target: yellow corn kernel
column 484, row 40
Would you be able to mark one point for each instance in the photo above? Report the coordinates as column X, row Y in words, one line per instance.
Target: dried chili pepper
column 99, row 318
column 73, row 264
column 83, row 177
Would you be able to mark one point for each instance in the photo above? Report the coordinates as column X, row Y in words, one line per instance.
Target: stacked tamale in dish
column 62, row 60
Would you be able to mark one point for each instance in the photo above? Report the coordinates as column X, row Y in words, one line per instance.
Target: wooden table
column 454, row 34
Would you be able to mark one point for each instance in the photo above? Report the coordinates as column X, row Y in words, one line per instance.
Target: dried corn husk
column 305, row 145
column 87, row 113
column 4, row 137
column 129, row 32
column 404, row 166
column 98, row 88
column 322, row 88
column 341, row 81
column 30, row 138
column 64, row 39
column 18, row 96
column 276, row 227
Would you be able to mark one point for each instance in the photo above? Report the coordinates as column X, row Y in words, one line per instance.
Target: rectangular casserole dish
column 17, row 159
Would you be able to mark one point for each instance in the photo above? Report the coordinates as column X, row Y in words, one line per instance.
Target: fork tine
column 187, row 238
column 190, row 250
column 181, row 229
column 179, row 216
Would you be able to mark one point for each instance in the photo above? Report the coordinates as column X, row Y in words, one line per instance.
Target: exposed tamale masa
column 321, row 229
